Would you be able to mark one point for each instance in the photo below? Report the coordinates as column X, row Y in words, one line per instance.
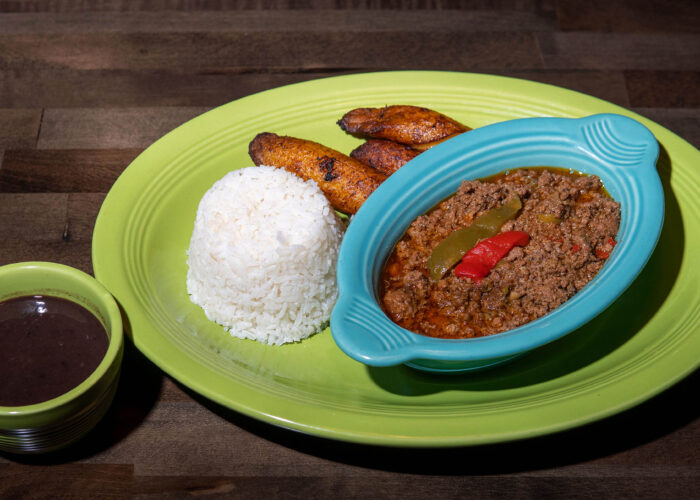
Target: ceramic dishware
column 619, row 150
column 58, row 422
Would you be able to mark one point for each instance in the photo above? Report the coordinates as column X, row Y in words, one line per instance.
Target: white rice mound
column 262, row 257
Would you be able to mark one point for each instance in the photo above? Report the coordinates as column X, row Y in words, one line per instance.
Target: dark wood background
column 85, row 85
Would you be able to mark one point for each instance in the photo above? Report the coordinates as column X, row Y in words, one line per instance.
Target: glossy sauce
column 453, row 309
column 48, row 346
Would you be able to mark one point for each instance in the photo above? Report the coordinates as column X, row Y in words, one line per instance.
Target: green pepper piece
column 450, row 250
column 547, row 218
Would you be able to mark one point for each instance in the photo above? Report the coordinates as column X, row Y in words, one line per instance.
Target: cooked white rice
column 262, row 257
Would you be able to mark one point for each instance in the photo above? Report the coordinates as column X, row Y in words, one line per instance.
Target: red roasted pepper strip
column 604, row 254
column 484, row 256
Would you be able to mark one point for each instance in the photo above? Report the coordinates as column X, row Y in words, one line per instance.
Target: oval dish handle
column 618, row 140
column 380, row 340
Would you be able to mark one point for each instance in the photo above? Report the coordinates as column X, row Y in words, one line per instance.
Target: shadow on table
column 662, row 415
column 139, row 387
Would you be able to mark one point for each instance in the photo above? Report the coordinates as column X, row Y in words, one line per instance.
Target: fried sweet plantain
column 410, row 125
column 345, row 181
column 385, row 156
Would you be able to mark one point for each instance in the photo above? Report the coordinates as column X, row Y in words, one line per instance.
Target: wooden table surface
column 85, row 85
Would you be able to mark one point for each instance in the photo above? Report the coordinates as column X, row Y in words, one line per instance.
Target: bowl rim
column 358, row 293
column 115, row 333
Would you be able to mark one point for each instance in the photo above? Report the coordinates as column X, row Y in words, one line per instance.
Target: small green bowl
column 58, row 422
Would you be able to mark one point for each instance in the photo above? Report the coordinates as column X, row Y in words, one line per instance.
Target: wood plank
column 315, row 486
column 601, row 51
column 63, row 171
column 271, row 51
column 54, row 227
column 139, row 127
column 224, row 5
column 206, row 448
column 19, row 128
column 65, row 481
column 247, row 21
column 170, row 442
column 48, row 217
column 683, row 122
column 607, row 85
column 63, row 87
column 664, row 89
column 110, row 128
column 82, row 210
column 71, row 253
column 185, row 446
column 195, row 438
column 671, row 16
column 395, row 487
column 143, row 88
column 173, row 391
column 33, row 217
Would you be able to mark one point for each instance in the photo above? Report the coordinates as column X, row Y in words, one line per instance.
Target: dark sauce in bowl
column 48, row 346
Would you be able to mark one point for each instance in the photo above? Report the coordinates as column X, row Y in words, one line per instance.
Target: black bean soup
column 48, row 346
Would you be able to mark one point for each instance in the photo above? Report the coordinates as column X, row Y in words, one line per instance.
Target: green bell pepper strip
column 451, row 250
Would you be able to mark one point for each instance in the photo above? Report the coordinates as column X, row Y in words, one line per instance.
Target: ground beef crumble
column 572, row 225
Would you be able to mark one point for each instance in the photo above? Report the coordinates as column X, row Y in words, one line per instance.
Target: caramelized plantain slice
column 385, row 156
column 410, row 125
column 345, row 181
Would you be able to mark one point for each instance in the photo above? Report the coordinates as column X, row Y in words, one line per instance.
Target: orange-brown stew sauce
column 572, row 223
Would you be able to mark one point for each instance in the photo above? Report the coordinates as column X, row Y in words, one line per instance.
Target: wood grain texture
column 656, row 51
column 61, row 87
column 33, row 217
column 70, row 253
column 55, row 6
column 63, row 171
column 72, row 480
column 142, row 88
column 110, row 128
column 55, row 227
column 628, row 16
column 609, row 85
column 663, row 89
column 86, row 85
column 683, row 122
column 49, row 217
column 19, row 128
column 246, row 52
column 266, row 21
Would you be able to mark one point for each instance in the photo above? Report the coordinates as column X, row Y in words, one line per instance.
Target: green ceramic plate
column 641, row 345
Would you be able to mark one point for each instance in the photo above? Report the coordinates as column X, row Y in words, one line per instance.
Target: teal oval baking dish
column 619, row 150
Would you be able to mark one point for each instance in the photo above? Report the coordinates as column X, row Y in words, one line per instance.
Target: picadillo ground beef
column 572, row 224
